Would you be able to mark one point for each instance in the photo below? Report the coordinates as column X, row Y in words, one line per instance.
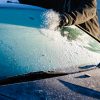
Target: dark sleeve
column 85, row 11
column 49, row 4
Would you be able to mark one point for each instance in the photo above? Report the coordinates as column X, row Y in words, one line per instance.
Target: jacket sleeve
column 85, row 11
column 49, row 4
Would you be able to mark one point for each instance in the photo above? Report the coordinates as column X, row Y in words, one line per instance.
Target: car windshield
column 25, row 46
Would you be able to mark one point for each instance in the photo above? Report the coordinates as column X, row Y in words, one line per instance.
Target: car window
column 26, row 46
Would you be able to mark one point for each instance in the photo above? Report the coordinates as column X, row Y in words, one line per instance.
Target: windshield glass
column 25, row 46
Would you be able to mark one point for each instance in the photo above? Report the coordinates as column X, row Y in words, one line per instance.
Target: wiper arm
column 39, row 75
column 98, row 40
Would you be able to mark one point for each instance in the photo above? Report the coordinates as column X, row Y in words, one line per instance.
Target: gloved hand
column 63, row 21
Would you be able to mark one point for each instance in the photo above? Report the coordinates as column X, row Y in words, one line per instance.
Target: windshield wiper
column 39, row 75
column 98, row 40
column 30, row 77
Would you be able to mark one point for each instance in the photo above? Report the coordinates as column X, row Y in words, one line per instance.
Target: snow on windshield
column 25, row 46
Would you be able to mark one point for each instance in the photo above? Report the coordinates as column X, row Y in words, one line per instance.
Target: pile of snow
column 51, row 19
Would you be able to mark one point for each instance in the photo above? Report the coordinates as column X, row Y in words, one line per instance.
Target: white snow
column 51, row 19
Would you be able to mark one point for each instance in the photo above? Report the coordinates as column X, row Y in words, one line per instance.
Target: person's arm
column 40, row 3
column 86, row 11
column 49, row 4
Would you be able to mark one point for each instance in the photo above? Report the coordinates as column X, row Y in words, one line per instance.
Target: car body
column 27, row 50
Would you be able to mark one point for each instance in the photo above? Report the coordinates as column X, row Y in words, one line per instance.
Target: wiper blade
column 30, row 77
column 38, row 76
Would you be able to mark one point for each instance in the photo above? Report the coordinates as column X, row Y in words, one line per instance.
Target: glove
column 63, row 21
